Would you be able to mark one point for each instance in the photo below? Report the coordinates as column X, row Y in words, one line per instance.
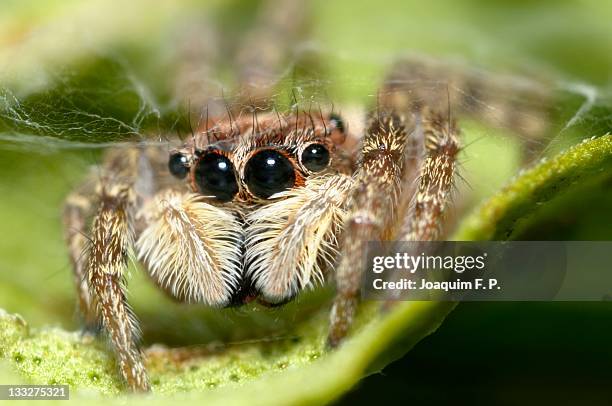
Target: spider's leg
column 269, row 48
column 523, row 106
column 111, row 238
column 435, row 181
column 78, row 207
column 373, row 206
column 123, row 167
column 518, row 104
column 423, row 219
column 99, row 250
column 198, row 54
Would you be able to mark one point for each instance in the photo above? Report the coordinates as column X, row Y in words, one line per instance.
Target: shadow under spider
column 179, row 325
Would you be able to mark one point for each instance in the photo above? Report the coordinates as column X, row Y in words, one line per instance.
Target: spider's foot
column 341, row 319
column 133, row 371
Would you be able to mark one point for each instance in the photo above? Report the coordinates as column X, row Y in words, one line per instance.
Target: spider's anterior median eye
column 215, row 176
column 178, row 165
column 315, row 157
column 268, row 172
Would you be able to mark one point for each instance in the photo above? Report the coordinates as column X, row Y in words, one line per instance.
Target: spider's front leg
column 112, row 236
column 376, row 205
column 99, row 223
column 77, row 209
column 436, row 178
column 373, row 204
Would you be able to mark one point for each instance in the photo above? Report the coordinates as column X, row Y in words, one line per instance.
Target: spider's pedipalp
column 192, row 249
column 291, row 242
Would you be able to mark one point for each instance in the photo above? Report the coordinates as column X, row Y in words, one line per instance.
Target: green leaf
column 583, row 171
column 263, row 372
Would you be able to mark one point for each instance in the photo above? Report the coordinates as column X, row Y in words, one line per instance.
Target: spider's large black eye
column 268, row 172
column 315, row 157
column 178, row 165
column 214, row 175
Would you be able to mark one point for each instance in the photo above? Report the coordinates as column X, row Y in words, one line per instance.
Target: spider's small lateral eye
column 315, row 157
column 215, row 176
column 178, row 165
column 337, row 122
column 269, row 172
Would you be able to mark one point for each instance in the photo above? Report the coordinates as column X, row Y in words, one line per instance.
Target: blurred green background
column 74, row 74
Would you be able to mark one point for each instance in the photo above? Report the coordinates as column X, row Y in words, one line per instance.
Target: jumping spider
column 261, row 206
